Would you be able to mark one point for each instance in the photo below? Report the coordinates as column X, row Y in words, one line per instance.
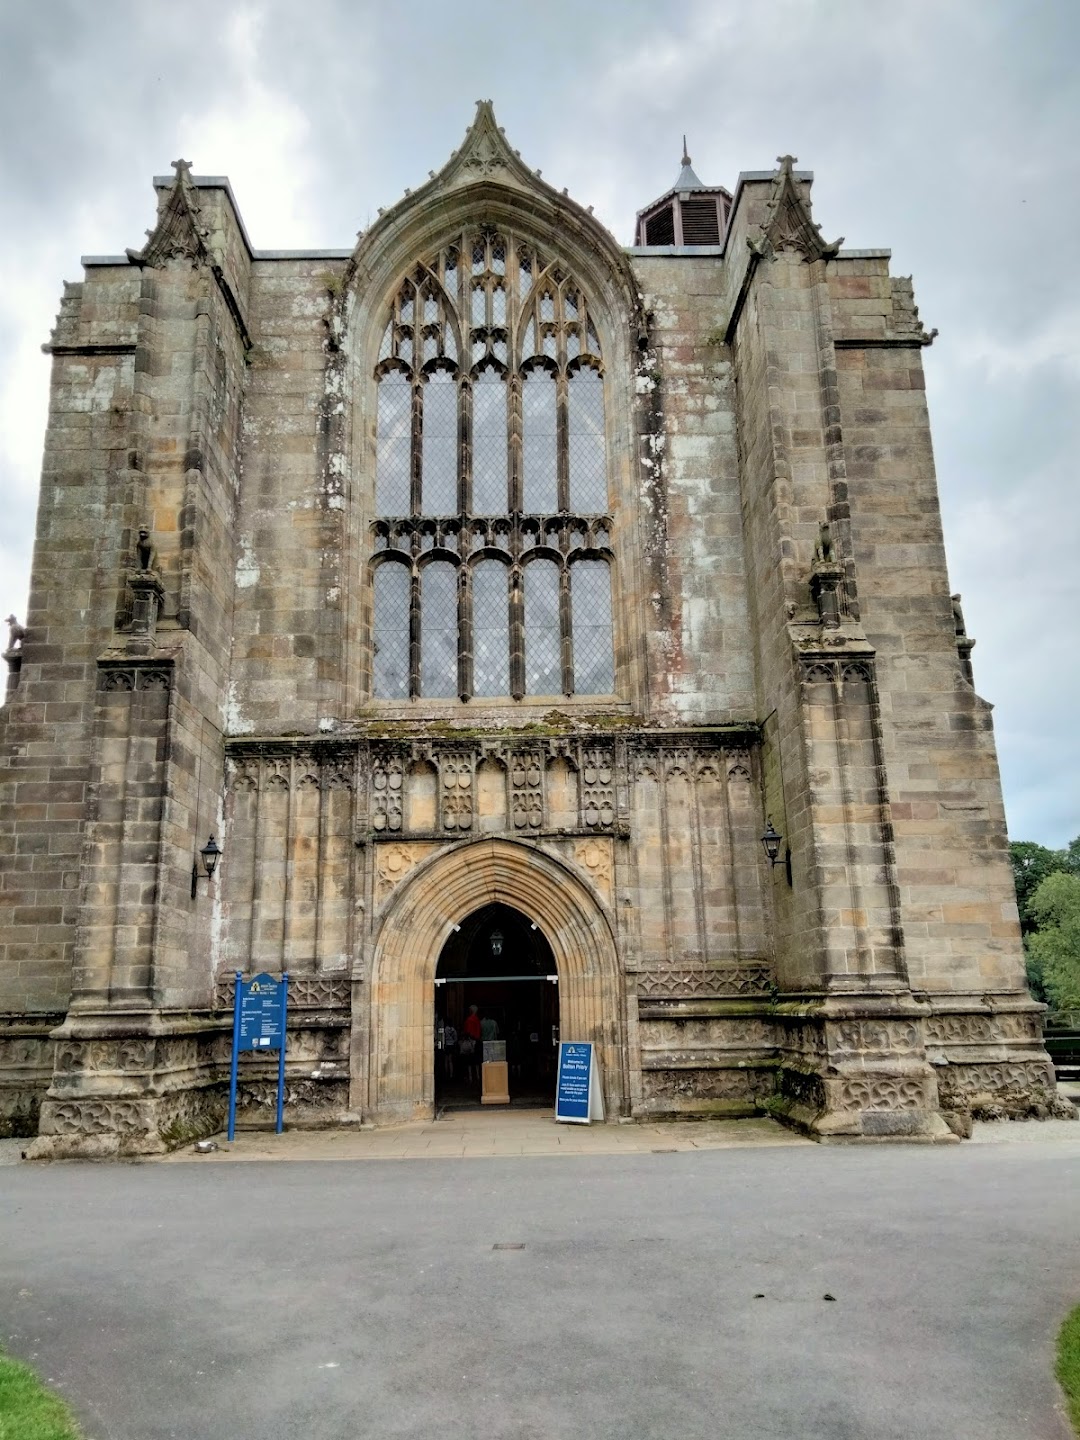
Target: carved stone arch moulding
column 440, row 893
column 484, row 183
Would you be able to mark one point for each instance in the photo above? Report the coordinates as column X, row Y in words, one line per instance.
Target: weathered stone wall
column 695, row 601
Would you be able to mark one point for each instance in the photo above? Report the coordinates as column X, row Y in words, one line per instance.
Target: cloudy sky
column 946, row 129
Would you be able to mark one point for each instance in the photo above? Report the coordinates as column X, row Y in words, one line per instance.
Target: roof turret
column 691, row 213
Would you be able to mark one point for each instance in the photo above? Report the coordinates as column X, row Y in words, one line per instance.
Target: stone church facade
column 490, row 563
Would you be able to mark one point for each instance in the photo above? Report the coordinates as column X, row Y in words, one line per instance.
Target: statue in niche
column 144, row 582
column 826, row 574
column 145, row 552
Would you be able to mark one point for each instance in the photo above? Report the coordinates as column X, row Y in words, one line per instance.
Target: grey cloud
column 944, row 131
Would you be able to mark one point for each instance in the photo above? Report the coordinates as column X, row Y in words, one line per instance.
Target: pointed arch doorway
column 499, row 967
column 412, row 931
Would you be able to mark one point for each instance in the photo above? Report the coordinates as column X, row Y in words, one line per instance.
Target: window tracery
column 491, row 547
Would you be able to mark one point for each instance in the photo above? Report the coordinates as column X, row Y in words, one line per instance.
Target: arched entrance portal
column 413, row 928
column 500, row 965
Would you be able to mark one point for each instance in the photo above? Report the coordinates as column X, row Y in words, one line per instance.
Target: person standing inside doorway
column 470, row 1043
column 450, row 1044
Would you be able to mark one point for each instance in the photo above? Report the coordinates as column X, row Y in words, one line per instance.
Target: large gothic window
column 492, row 558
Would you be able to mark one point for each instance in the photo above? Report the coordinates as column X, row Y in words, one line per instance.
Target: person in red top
column 470, row 1045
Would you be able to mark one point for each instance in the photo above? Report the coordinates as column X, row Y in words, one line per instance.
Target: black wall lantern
column 496, row 942
column 211, row 854
column 771, row 842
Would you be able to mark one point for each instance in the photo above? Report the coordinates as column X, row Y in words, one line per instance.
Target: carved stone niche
column 147, row 599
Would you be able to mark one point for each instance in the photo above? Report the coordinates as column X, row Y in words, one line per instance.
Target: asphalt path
column 673, row 1296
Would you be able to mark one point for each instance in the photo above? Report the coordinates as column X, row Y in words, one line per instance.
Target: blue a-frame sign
column 578, row 1096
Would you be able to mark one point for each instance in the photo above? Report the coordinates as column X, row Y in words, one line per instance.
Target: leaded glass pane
column 538, row 436
column 588, row 470
column 490, row 495
column 590, row 608
column 394, row 444
column 543, row 649
column 386, row 346
column 491, row 629
column 547, row 306
column 390, row 662
column 479, row 307
column 498, row 305
column 438, row 631
column 440, row 449
column 498, row 257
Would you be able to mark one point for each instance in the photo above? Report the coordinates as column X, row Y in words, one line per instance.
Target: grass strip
column 27, row 1410
column 1068, row 1365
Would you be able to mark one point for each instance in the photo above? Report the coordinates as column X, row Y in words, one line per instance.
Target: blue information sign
column 262, row 1013
column 259, row 1019
column 577, row 1090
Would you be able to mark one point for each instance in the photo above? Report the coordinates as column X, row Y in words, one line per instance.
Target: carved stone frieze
column 958, row 1085
column 876, row 1036
column 981, row 1029
column 306, row 992
column 96, row 1117
column 711, row 1031
column 750, row 979
column 103, row 1056
column 25, row 1051
column 692, row 1085
column 878, row 1092
column 304, row 1096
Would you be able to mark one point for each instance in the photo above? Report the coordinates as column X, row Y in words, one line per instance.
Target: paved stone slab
column 468, row 1134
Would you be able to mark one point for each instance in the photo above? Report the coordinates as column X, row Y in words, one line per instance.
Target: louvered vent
column 660, row 228
column 700, row 225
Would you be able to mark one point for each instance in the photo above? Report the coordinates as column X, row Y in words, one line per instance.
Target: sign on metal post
column 578, row 1097
column 260, row 1012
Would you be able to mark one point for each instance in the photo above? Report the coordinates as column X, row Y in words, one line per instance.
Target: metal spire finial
column 685, row 152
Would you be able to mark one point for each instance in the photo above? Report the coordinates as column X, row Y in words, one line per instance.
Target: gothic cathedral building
column 535, row 623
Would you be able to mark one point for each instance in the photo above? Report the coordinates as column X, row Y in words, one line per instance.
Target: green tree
column 1054, row 945
column 1031, row 864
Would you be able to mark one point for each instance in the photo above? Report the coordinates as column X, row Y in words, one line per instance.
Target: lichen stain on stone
column 247, row 568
